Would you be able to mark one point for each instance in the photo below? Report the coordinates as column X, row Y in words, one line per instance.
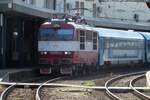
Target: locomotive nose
column 56, row 58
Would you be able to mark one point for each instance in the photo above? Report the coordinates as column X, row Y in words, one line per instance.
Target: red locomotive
column 66, row 46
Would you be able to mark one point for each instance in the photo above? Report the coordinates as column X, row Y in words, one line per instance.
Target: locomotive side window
column 95, row 41
column 82, row 40
column 88, row 36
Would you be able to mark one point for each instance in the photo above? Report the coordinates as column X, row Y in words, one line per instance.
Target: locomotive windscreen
column 49, row 34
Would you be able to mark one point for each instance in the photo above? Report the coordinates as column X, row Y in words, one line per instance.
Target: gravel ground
column 99, row 80
column 141, row 82
column 147, row 92
column 65, row 93
column 123, row 82
column 127, row 96
column 2, row 88
column 22, row 94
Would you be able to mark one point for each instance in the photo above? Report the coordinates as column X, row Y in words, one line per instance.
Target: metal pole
column 1, row 24
column 1, row 19
column 65, row 5
column 2, row 39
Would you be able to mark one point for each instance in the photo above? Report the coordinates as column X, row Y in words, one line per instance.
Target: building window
column 29, row 1
column 77, row 5
column 47, row 4
column 68, row 6
column 82, row 8
column 94, row 10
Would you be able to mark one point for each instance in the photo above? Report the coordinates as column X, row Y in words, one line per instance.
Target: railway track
column 112, row 88
column 7, row 91
column 125, row 82
column 70, row 92
column 137, row 92
column 25, row 91
column 15, row 92
column 42, row 85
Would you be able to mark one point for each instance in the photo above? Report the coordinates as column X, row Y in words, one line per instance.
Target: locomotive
column 69, row 47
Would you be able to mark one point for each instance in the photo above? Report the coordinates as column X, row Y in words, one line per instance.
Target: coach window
column 95, row 40
column 82, row 40
column 120, row 44
column 149, row 46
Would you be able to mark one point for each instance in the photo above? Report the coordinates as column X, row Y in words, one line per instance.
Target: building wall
column 71, row 5
column 60, row 5
column 125, row 10
column 114, row 10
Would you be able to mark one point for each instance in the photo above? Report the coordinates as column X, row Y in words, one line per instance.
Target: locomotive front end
column 56, row 47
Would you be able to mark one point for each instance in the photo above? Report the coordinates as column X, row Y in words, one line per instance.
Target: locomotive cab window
column 53, row 34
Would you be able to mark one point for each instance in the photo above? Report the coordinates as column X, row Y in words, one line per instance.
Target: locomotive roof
column 146, row 35
column 82, row 26
column 103, row 32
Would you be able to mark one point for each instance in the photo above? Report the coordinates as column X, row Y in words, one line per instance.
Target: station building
column 20, row 20
column 19, row 23
column 118, row 14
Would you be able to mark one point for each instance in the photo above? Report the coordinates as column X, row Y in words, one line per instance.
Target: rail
column 109, row 82
column 7, row 91
column 39, row 88
column 138, row 93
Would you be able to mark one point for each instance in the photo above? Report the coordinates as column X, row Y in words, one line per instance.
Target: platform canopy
column 27, row 9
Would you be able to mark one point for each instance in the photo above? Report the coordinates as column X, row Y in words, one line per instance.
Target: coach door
column 1, row 51
column 101, row 50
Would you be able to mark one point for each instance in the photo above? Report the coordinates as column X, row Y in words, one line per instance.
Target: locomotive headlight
column 45, row 53
column 67, row 52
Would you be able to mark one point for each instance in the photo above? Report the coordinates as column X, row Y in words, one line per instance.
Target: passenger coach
column 120, row 47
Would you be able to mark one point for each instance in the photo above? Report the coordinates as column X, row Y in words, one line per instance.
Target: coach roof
column 103, row 32
column 146, row 35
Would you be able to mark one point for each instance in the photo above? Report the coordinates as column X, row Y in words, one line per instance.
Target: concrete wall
column 60, row 5
column 115, row 10
column 124, row 10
